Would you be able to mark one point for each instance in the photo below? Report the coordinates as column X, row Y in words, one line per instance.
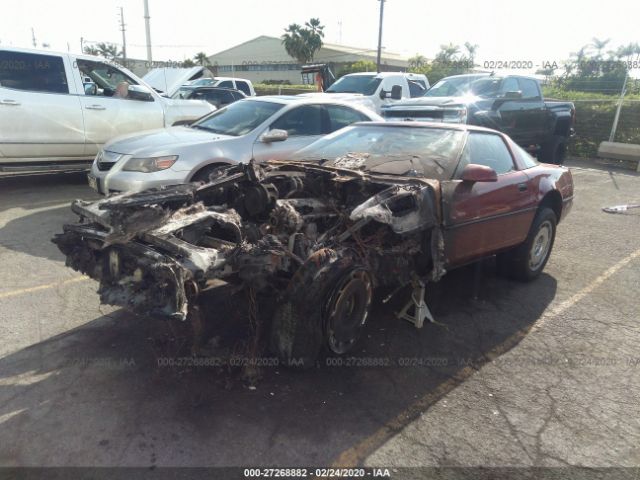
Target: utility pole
column 380, row 34
column 33, row 38
column 614, row 127
column 148, row 30
column 124, row 39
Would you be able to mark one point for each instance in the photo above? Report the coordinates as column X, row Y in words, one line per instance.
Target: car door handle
column 95, row 107
column 522, row 187
column 8, row 101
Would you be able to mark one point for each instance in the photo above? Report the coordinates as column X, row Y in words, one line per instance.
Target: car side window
column 301, row 121
column 529, row 88
column 487, row 149
column 33, row 72
column 340, row 117
column 243, row 87
column 509, row 84
column 416, row 89
column 226, row 84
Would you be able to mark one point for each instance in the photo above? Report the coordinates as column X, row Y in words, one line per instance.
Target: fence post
column 617, row 115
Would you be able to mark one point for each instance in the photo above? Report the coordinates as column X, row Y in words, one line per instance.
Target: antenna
column 33, row 38
column 340, row 32
column 124, row 38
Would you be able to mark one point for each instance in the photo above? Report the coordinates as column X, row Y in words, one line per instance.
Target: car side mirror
column 275, row 135
column 478, row 173
column 90, row 88
column 140, row 92
column 396, row 92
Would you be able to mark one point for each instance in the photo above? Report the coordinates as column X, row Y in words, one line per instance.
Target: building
column 265, row 59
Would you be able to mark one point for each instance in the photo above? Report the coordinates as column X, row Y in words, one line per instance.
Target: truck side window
column 106, row 77
column 33, row 72
column 243, row 87
column 416, row 89
column 509, row 84
column 529, row 88
column 226, row 84
column 486, row 149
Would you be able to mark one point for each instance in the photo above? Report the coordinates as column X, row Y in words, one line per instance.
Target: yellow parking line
column 22, row 291
column 354, row 456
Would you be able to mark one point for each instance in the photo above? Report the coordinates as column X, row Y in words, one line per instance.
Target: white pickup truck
column 373, row 90
column 58, row 109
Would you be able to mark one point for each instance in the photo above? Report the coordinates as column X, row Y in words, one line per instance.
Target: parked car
column 372, row 204
column 373, row 90
column 259, row 128
column 58, row 109
column 512, row 104
column 242, row 84
column 216, row 96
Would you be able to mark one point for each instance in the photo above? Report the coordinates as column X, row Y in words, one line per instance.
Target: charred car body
column 373, row 204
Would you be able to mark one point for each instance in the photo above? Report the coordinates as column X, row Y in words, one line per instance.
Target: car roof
column 40, row 51
column 440, row 126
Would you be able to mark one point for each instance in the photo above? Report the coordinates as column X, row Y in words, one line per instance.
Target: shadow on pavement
column 97, row 395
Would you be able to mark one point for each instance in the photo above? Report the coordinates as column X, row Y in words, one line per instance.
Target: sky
column 532, row 31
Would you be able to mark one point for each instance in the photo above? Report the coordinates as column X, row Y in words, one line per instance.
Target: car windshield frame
column 377, row 149
column 242, row 116
column 363, row 84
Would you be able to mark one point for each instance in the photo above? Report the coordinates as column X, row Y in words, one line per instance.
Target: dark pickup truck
column 512, row 104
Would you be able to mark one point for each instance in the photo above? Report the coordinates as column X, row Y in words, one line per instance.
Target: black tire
column 305, row 321
column 526, row 261
column 554, row 151
column 203, row 174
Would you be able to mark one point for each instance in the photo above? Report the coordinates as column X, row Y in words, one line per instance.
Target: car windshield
column 450, row 87
column 364, row 84
column 239, row 118
column 394, row 150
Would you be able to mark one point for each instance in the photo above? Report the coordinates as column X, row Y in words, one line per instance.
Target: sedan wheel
column 540, row 246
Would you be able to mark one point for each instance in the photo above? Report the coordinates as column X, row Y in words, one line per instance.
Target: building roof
column 267, row 49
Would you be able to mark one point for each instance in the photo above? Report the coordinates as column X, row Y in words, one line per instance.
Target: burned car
column 374, row 204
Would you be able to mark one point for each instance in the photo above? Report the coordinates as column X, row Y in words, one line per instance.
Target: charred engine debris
column 318, row 239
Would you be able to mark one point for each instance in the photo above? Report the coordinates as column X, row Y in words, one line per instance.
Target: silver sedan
column 260, row 128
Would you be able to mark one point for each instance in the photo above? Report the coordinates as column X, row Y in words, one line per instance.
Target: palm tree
column 472, row 49
column 302, row 43
column 201, row 59
column 599, row 45
column 417, row 61
column 104, row 49
column 447, row 52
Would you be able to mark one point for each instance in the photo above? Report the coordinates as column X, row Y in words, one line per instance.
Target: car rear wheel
column 527, row 261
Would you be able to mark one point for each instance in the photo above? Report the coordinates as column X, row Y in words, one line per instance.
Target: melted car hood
column 161, row 139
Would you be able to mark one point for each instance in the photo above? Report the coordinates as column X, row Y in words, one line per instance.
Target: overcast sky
column 540, row 30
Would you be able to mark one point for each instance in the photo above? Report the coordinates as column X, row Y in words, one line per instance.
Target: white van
column 58, row 109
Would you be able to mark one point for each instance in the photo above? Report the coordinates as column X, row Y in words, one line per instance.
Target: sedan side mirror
column 275, row 135
column 478, row 173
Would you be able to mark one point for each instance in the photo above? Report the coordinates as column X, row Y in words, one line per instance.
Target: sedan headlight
column 150, row 164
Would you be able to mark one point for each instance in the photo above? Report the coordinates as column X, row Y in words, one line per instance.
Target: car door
column 40, row 115
column 533, row 111
column 304, row 124
column 508, row 110
column 106, row 115
column 481, row 218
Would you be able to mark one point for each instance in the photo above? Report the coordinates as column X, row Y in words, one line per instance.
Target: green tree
column 448, row 61
column 104, row 49
column 201, row 58
column 417, row 61
column 302, row 43
column 188, row 63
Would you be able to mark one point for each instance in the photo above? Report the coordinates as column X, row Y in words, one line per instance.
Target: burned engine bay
column 318, row 239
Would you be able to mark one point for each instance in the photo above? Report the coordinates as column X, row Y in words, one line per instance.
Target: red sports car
column 371, row 204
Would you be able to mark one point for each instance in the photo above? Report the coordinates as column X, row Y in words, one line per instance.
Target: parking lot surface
column 539, row 374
